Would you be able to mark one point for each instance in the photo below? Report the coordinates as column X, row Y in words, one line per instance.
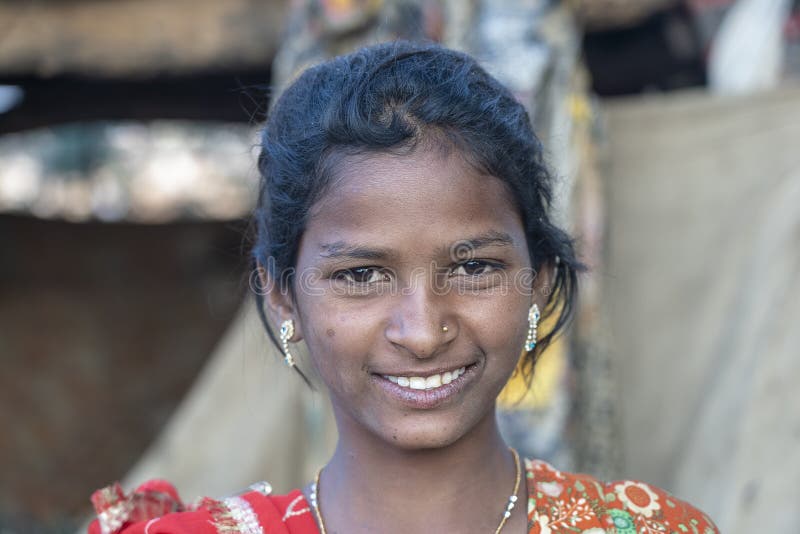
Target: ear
column 279, row 302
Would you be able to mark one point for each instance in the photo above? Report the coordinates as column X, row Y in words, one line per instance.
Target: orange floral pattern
column 561, row 502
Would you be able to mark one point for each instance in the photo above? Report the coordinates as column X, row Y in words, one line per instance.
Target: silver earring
column 287, row 331
column 533, row 324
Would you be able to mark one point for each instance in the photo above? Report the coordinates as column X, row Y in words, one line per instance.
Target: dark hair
column 389, row 97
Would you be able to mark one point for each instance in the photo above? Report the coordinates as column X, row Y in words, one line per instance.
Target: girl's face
column 398, row 249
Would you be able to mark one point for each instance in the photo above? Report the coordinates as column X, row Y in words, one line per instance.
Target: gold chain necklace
column 506, row 513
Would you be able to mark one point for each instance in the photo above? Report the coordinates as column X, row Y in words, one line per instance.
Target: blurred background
column 129, row 347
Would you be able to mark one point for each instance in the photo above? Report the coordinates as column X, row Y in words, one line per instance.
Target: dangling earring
column 287, row 331
column 533, row 323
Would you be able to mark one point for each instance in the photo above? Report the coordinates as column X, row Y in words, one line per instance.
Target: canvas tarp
column 703, row 286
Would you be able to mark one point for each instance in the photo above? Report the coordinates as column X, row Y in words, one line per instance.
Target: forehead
column 421, row 200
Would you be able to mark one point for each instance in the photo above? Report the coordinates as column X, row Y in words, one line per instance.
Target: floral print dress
column 561, row 502
column 558, row 502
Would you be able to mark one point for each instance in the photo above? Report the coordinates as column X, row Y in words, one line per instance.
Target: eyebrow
column 344, row 250
column 491, row 238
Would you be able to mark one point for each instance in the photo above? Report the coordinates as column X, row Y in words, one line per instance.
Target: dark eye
column 474, row 268
column 360, row 275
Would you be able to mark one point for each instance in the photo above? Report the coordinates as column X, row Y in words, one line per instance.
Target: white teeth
column 433, row 381
column 429, row 382
column 416, row 382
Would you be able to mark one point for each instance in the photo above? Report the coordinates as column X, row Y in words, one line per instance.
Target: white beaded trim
column 243, row 514
column 114, row 517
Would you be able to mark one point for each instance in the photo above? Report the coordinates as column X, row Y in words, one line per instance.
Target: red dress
column 558, row 502
column 155, row 508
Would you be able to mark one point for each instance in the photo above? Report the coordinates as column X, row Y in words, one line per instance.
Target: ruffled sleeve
column 156, row 508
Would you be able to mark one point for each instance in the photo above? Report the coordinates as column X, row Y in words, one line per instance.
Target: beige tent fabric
column 247, row 418
column 703, row 280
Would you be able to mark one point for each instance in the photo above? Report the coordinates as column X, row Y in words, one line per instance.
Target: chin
column 410, row 429
column 422, row 432
column 422, row 441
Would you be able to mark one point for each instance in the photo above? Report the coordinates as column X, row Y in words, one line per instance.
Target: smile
column 426, row 382
column 431, row 391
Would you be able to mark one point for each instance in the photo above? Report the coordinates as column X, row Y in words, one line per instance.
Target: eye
column 360, row 275
column 475, row 268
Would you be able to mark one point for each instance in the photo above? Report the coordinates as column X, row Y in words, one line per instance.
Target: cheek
column 500, row 326
column 336, row 341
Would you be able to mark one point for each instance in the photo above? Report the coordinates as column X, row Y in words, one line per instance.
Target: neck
column 389, row 489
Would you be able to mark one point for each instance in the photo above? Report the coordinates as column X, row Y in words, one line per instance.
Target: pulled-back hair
column 388, row 98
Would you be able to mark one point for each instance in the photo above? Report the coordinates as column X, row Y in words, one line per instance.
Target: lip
column 426, row 399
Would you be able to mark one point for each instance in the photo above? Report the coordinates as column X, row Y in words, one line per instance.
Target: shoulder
column 563, row 502
column 156, row 508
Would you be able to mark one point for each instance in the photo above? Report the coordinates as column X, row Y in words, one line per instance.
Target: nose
column 417, row 323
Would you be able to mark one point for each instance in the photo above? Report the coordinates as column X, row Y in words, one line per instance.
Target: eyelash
column 343, row 274
column 482, row 264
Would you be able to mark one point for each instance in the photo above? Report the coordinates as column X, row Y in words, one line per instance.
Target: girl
column 403, row 234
